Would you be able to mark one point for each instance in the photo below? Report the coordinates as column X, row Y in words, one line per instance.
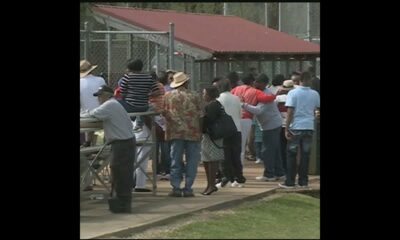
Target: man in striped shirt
column 136, row 88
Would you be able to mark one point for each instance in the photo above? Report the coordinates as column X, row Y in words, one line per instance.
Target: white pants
column 140, row 176
column 245, row 125
column 144, row 156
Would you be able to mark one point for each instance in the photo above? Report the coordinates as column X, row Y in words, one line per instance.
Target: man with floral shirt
column 182, row 111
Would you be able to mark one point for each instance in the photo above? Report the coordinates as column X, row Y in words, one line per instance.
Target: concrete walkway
column 96, row 221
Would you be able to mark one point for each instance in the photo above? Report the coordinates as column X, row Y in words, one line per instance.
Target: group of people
column 184, row 117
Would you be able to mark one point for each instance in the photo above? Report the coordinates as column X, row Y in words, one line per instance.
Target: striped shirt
column 136, row 88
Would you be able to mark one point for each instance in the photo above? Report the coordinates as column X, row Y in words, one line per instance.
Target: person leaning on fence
column 183, row 112
column 89, row 83
column 135, row 89
column 118, row 132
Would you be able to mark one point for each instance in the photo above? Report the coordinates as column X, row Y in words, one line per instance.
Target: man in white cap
column 88, row 85
column 118, row 131
column 182, row 111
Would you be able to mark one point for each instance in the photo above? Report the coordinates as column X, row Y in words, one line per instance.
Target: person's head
column 233, row 79
column 104, row 93
column 134, row 65
column 278, row 80
column 170, row 73
column 210, row 93
column 295, row 77
column 224, row 85
column 180, row 80
column 215, row 81
column 248, row 79
column 163, row 78
column 261, row 82
column 85, row 68
column 305, row 79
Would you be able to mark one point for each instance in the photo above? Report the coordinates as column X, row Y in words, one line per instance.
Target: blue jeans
column 300, row 140
column 164, row 164
column 192, row 156
column 271, row 153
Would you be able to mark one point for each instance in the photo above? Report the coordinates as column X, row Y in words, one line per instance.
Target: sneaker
column 283, row 185
column 241, row 179
column 303, row 187
column 188, row 194
column 265, row 179
column 281, row 178
column 175, row 194
column 142, row 190
column 258, row 161
column 137, row 129
column 223, row 183
column 236, row 184
column 165, row 177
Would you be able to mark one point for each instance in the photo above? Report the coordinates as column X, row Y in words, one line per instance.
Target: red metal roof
column 213, row 33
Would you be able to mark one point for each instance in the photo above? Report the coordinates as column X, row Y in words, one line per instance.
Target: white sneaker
column 219, row 185
column 282, row 185
column 236, row 184
column 281, row 178
column 258, row 161
column 165, row 177
column 263, row 178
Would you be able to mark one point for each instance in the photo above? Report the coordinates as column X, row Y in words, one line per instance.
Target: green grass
column 289, row 216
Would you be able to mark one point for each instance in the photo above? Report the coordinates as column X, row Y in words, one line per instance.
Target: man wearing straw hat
column 88, row 85
column 182, row 111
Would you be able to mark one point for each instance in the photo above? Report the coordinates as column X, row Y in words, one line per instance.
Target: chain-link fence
column 111, row 50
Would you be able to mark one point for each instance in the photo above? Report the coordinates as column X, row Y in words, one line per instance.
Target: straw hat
column 170, row 71
column 86, row 68
column 179, row 79
column 288, row 84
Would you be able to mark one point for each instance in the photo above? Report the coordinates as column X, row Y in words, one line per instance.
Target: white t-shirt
column 89, row 85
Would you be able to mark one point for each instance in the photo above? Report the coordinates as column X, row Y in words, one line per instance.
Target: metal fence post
column 129, row 48
column 171, row 64
column 148, row 56
column 108, row 56
column 157, row 53
column 86, row 42
column 192, row 69
column 273, row 68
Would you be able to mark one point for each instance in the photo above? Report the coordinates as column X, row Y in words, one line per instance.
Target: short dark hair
column 163, row 77
column 224, row 85
column 305, row 76
column 248, row 79
column 263, row 78
column 216, row 79
column 212, row 91
column 135, row 65
column 278, row 80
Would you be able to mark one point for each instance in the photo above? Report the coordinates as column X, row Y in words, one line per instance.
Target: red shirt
column 251, row 96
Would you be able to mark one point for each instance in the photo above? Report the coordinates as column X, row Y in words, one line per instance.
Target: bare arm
column 289, row 119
